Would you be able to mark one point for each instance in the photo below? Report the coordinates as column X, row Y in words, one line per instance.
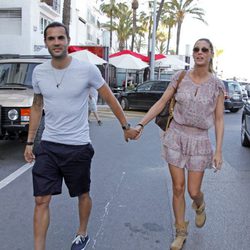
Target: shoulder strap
column 182, row 74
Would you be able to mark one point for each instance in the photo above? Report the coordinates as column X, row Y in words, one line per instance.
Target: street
column 131, row 193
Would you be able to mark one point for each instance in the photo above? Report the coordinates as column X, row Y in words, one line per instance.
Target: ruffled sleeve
column 220, row 88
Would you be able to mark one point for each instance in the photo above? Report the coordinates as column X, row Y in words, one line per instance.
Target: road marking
column 14, row 175
column 100, row 231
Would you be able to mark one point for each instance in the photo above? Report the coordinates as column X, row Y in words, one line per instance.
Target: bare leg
column 96, row 116
column 178, row 181
column 194, row 186
column 85, row 205
column 41, row 221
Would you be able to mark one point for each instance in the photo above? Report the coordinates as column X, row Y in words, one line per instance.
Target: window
column 145, row 87
column 11, row 21
column 91, row 18
column 90, row 36
column 43, row 23
column 16, row 73
column 55, row 4
column 233, row 87
column 159, row 86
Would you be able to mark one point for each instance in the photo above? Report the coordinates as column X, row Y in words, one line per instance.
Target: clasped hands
column 133, row 133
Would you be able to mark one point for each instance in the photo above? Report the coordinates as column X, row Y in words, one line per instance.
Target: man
column 61, row 87
column 93, row 97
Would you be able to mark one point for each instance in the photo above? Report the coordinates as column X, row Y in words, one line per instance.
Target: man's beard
column 62, row 55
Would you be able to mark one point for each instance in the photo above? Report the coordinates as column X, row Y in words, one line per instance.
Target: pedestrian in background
column 61, row 87
column 185, row 144
column 93, row 97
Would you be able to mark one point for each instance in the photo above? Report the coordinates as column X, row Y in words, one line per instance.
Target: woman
column 199, row 106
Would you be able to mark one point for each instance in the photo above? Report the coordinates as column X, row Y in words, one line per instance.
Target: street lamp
column 187, row 57
column 152, row 54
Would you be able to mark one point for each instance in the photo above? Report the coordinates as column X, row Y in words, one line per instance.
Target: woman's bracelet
column 139, row 124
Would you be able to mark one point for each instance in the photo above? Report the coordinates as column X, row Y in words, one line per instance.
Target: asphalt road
column 131, row 192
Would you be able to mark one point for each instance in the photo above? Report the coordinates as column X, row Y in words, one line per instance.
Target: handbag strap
column 182, row 74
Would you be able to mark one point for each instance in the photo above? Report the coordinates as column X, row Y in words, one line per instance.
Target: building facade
column 22, row 23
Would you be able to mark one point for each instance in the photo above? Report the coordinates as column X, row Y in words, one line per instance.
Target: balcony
column 51, row 7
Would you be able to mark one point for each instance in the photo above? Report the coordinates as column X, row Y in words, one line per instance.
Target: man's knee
column 42, row 201
column 84, row 196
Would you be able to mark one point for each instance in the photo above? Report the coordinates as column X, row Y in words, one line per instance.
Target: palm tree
column 161, row 37
column 181, row 8
column 135, row 6
column 141, row 30
column 66, row 13
column 159, row 13
column 124, row 24
column 121, row 24
column 110, row 10
column 169, row 21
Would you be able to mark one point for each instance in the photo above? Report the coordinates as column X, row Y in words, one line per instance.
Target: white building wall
column 30, row 39
column 19, row 43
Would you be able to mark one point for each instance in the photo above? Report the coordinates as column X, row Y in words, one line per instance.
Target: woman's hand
column 139, row 129
column 217, row 159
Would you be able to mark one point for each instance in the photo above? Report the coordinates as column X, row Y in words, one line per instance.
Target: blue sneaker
column 80, row 242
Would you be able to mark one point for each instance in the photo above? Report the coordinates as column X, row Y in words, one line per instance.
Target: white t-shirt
column 93, row 93
column 66, row 106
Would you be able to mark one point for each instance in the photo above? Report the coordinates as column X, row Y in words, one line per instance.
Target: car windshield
column 159, row 86
column 16, row 74
column 234, row 87
column 144, row 87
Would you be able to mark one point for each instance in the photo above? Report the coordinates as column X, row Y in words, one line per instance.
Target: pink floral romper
column 186, row 142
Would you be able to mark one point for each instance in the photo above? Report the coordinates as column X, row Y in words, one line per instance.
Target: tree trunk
column 134, row 30
column 149, row 35
column 66, row 13
column 159, row 13
column 169, row 36
column 135, row 6
column 178, row 37
column 121, row 45
column 111, row 30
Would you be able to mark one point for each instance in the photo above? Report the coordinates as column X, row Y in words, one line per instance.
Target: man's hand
column 130, row 133
column 28, row 154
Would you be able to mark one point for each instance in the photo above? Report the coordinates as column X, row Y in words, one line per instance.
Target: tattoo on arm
column 38, row 100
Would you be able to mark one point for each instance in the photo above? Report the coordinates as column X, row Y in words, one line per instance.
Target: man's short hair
column 56, row 24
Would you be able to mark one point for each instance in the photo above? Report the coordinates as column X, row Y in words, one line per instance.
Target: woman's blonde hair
column 210, row 67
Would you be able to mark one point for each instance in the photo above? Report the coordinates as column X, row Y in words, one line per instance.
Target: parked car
column 245, row 92
column 233, row 96
column 16, row 96
column 245, row 125
column 144, row 95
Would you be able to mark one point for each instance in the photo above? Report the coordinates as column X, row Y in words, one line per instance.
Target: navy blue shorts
column 56, row 162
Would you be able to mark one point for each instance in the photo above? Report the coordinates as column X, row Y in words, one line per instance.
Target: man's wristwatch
column 29, row 143
column 126, row 126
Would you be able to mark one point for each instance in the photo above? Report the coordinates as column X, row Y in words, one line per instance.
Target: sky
column 228, row 29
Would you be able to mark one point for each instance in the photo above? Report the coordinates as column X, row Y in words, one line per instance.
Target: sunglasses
column 203, row 49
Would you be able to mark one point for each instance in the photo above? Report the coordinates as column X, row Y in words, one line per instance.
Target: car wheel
column 124, row 104
column 39, row 134
column 234, row 110
column 244, row 140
